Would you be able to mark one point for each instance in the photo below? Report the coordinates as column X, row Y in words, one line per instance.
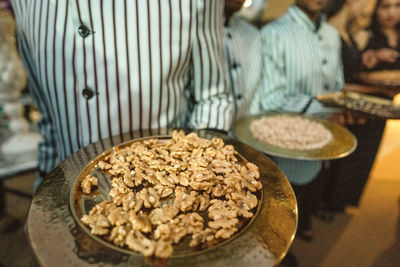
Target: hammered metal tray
column 82, row 203
column 343, row 142
column 59, row 239
column 370, row 105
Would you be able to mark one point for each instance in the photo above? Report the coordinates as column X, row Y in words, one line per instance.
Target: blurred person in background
column 384, row 35
column 364, row 49
column 242, row 43
column 343, row 15
column 301, row 53
column 344, row 180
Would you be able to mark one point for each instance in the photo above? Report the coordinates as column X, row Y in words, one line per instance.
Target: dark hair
column 374, row 25
column 333, row 7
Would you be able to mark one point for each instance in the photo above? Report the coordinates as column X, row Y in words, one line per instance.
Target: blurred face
column 388, row 13
column 311, row 6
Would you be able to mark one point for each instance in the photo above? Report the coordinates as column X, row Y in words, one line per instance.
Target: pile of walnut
column 187, row 173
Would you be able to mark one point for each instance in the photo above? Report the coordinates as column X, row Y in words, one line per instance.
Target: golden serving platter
column 343, row 142
column 370, row 105
column 58, row 238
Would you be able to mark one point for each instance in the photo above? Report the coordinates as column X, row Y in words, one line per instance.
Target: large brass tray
column 370, row 105
column 343, row 142
column 58, row 239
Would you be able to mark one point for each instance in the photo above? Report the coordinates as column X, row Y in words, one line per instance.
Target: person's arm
column 213, row 107
column 47, row 153
column 386, row 54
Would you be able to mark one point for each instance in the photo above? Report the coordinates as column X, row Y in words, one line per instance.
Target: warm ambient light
column 396, row 99
column 248, row 3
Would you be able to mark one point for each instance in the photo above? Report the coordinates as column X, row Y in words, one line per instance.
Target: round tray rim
column 266, row 240
column 241, row 131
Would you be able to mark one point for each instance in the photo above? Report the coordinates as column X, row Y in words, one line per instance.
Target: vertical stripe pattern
column 138, row 58
column 243, row 64
column 301, row 61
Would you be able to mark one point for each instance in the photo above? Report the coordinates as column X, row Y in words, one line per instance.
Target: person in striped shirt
column 99, row 69
column 302, row 59
column 243, row 59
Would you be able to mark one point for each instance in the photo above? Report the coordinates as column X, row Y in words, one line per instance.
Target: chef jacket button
column 84, row 31
column 235, row 65
column 87, row 93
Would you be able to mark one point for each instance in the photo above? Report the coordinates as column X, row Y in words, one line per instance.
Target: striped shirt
column 301, row 60
column 244, row 64
column 102, row 68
